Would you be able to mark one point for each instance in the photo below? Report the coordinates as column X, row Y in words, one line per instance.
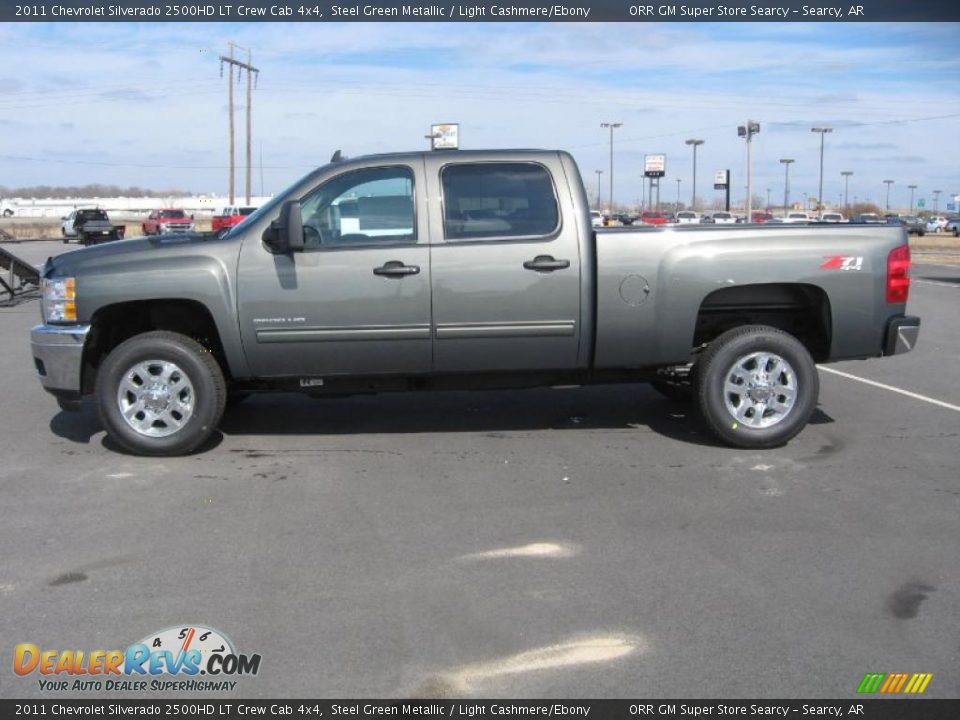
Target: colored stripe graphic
column 871, row 683
column 894, row 683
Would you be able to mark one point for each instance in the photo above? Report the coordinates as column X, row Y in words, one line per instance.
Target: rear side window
column 498, row 201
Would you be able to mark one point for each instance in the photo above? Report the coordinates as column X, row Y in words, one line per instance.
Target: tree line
column 96, row 190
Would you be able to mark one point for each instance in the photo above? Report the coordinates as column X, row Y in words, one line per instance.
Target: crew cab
column 463, row 269
column 167, row 220
column 226, row 218
column 90, row 226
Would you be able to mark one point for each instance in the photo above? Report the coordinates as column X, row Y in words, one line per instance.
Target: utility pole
column 695, row 142
column 251, row 71
column 747, row 132
column 912, row 188
column 888, row 184
column 846, row 187
column 786, row 183
column 599, row 173
column 613, row 126
column 823, row 131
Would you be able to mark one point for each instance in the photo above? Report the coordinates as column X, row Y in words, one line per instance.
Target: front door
column 356, row 300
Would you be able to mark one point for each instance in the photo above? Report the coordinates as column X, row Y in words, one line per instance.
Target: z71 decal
column 843, row 262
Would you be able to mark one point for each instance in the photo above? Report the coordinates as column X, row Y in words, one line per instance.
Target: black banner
column 501, row 11
column 870, row 709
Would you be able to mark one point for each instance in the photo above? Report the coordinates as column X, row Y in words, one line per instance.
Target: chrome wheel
column 760, row 389
column 156, row 398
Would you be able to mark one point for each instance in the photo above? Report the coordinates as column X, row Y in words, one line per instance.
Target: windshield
column 91, row 215
column 268, row 207
column 172, row 214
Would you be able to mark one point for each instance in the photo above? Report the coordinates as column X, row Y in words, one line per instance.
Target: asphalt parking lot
column 543, row 543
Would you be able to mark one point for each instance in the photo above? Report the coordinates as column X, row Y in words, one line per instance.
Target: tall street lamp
column 613, row 126
column 696, row 143
column 599, row 173
column 678, row 194
column 888, row 183
column 936, row 201
column 912, row 188
column 823, row 131
column 747, row 132
column 768, row 199
column 786, row 183
column 846, row 187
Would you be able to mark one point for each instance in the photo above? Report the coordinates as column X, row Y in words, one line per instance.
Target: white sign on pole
column 654, row 165
column 720, row 180
column 445, row 136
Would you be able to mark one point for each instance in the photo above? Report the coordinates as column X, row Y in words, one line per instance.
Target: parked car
column 424, row 291
column 867, row 219
column 759, row 217
column 913, row 224
column 168, row 220
column 723, row 218
column 625, row 219
column 649, row 217
column 953, row 226
column 687, row 217
column 832, row 217
column 596, row 219
column 796, row 217
column 936, row 224
column 227, row 217
column 90, row 226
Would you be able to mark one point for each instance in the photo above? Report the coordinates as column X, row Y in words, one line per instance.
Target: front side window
column 366, row 207
column 498, row 200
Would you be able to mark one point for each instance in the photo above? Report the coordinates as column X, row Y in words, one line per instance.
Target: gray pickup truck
column 463, row 269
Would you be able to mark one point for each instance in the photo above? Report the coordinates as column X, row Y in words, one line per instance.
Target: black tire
column 719, row 362
column 208, row 392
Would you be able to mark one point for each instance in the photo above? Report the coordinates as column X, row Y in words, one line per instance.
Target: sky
column 145, row 105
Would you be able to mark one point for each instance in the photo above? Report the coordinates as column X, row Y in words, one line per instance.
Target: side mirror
column 285, row 234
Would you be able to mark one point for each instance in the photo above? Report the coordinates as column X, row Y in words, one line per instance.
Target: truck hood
column 136, row 254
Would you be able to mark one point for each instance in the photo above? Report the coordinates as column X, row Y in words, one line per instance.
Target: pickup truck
column 463, row 269
column 167, row 220
column 90, row 226
column 225, row 218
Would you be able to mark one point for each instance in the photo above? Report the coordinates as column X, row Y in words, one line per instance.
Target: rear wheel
column 757, row 386
column 160, row 393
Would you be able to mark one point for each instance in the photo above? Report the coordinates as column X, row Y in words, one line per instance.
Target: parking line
column 935, row 282
column 891, row 388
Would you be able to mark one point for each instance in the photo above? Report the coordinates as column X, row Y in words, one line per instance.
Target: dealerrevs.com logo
column 180, row 658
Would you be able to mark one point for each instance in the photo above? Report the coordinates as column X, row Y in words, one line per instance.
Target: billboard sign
column 654, row 166
column 720, row 178
column 445, row 136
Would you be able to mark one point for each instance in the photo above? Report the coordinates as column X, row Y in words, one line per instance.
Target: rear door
column 505, row 265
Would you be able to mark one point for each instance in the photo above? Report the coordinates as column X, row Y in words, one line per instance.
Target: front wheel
column 160, row 393
column 757, row 386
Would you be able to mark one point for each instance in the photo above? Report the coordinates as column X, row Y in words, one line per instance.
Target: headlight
column 59, row 300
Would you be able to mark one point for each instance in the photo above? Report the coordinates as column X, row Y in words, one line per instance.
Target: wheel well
column 113, row 324
column 799, row 309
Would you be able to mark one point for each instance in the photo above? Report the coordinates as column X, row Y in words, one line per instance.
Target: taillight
column 898, row 275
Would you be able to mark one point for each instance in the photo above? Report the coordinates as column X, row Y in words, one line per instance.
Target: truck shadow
column 609, row 407
column 612, row 407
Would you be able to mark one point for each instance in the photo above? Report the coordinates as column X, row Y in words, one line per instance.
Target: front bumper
column 902, row 334
column 58, row 356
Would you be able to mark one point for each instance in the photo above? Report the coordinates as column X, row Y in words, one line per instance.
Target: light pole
column 696, row 143
column 936, row 201
column 599, row 173
column 768, row 199
column 678, row 194
column 747, row 132
column 846, row 187
column 786, row 183
column 912, row 188
column 823, row 131
column 888, row 184
column 613, row 126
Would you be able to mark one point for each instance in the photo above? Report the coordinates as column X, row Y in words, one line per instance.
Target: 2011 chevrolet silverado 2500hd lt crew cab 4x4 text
column 463, row 269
